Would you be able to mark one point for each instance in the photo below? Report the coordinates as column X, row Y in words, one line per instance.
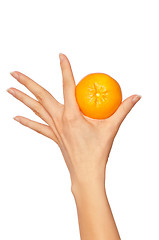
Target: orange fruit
column 98, row 95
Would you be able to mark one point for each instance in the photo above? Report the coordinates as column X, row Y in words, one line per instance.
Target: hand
column 84, row 142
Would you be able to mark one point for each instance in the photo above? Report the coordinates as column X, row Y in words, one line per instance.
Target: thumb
column 124, row 108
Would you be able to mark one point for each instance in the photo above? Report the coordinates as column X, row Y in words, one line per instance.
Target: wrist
column 88, row 185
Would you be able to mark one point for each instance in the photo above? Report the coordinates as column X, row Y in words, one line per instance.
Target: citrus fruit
column 98, row 95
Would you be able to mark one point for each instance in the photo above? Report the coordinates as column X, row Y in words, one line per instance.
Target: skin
column 85, row 144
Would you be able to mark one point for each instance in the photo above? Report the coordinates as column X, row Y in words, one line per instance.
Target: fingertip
column 17, row 119
column 136, row 98
column 11, row 91
column 15, row 74
column 61, row 57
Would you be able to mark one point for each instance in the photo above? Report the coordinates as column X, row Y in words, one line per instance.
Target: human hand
column 84, row 142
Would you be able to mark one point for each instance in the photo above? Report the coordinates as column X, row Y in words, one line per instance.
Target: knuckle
column 69, row 117
column 21, row 96
column 57, row 118
column 41, row 95
column 123, row 108
column 36, row 110
column 115, row 127
column 39, row 131
column 70, row 120
column 112, row 126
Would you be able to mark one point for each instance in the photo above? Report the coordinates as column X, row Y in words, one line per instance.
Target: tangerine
column 98, row 95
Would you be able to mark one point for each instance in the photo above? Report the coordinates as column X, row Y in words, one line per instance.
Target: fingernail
column 61, row 56
column 9, row 90
column 16, row 119
column 15, row 75
column 136, row 98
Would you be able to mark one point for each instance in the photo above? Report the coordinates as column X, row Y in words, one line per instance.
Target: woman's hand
column 85, row 143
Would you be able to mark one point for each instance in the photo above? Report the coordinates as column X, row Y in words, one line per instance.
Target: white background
column 119, row 38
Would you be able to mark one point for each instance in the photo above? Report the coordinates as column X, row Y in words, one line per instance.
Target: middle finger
column 34, row 105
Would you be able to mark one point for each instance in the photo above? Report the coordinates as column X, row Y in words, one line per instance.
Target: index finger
column 68, row 85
